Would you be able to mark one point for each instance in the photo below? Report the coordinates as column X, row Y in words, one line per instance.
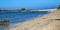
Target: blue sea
column 19, row 17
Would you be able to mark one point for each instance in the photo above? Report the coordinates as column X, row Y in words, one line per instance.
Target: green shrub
column 58, row 7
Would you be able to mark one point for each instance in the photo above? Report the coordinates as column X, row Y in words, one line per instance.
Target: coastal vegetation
column 23, row 9
column 4, row 23
column 58, row 7
column 0, row 10
column 20, row 10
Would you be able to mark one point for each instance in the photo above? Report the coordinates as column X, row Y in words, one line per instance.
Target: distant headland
column 26, row 10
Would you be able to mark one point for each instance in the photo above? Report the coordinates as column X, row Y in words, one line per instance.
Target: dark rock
column 4, row 23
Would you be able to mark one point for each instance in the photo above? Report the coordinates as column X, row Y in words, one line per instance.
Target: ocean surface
column 18, row 17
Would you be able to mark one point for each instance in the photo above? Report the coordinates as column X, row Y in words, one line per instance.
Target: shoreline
column 12, row 25
column 46, row 22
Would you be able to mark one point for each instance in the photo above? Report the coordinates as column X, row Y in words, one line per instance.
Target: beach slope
column 47, row 22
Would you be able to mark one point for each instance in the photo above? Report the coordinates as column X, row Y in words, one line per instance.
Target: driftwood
column 57, row 19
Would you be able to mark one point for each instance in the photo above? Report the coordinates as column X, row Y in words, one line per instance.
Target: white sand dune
column 47, row 22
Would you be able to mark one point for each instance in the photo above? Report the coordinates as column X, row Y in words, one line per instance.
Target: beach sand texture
column 47, row 22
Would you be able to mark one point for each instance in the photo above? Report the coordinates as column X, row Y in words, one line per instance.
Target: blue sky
column 29, row 4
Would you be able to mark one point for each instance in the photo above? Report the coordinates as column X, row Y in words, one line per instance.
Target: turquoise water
column 18, row 17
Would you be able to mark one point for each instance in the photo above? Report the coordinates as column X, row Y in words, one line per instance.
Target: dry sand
column 47, row 22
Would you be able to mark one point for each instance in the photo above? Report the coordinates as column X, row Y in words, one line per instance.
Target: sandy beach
column 47, row 22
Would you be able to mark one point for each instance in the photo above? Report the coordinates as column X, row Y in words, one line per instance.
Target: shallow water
column 18, row 17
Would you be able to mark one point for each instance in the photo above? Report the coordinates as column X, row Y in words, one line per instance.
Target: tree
column 0, row 10
column 23, row 9
column 58, row 7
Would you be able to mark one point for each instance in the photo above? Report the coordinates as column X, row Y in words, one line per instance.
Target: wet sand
column 47, row 22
